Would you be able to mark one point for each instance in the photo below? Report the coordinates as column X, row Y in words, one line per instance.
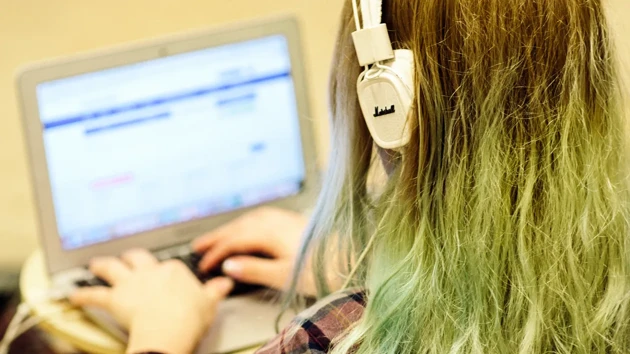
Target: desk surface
column 62, row 320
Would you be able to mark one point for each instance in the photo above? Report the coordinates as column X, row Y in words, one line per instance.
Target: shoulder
column 313, row 330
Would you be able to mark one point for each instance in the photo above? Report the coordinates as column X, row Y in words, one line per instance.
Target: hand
column 273, row 232
column 154, row 300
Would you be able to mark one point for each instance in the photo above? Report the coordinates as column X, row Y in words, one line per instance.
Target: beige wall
column 618, row 12
column 38, row 29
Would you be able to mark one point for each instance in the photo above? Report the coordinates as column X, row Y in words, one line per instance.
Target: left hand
column 163, row 305
column 273, row 232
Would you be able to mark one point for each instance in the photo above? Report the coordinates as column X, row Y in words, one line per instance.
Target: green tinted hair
column 505, row 226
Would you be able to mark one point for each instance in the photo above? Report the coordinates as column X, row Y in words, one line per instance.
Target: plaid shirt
column 316, row 327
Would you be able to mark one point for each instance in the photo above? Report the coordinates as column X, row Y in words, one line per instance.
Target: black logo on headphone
column 383, row 112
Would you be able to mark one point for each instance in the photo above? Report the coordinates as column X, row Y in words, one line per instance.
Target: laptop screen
column 144, row 146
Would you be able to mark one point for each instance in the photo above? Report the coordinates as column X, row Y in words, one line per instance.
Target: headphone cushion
column 386, row 100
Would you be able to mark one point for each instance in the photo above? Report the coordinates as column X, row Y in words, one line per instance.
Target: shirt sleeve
column 313, row 331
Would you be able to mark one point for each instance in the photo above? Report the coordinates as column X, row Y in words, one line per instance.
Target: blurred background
column 38, row 29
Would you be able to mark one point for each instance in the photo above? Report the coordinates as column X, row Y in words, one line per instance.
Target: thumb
column 253, row 270
column 219, row 287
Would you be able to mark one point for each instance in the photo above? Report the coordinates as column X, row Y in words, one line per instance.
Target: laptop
column 155, row 143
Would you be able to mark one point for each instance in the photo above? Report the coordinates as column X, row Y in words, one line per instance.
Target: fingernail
column 231, row 267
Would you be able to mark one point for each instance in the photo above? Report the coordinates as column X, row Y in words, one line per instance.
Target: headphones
column 385, row 86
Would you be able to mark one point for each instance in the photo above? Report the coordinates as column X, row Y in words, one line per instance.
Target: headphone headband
column 371, row 40
column 372, row 11
column 385, row 87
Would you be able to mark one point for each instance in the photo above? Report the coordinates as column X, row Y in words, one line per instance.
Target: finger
column 242, row 226
column 111, row 269
column 253, row 270
column 139, row 258
column 219, row 287
column 242, row 244
column 178, row 268
column 229, row 230
column 204, row 242
column 98, row 296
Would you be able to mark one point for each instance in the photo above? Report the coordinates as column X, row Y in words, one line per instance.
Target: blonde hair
column 505, row 226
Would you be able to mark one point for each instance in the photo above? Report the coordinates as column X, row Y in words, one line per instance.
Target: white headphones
column 385, row 87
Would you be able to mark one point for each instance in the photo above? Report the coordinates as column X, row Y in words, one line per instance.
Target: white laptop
column 153, row 144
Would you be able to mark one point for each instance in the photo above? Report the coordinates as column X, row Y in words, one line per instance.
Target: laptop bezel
column 59, row 259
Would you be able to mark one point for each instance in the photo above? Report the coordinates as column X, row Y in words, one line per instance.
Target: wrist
column 168, row 337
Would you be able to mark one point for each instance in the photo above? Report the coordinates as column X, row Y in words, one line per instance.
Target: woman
column 503, row 226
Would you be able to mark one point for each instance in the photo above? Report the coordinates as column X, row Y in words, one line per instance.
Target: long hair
column 505, row 226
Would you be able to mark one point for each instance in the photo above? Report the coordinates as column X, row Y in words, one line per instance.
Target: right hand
column 273, row 232
column 152, row 300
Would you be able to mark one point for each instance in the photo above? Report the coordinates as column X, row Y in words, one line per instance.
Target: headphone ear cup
column 385, row 96
column 404, row 66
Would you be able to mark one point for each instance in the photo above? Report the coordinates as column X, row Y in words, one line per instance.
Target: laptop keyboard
column 191, row 260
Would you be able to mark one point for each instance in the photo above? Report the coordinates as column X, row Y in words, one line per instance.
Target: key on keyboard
column 191, row 261
column 94, row 281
